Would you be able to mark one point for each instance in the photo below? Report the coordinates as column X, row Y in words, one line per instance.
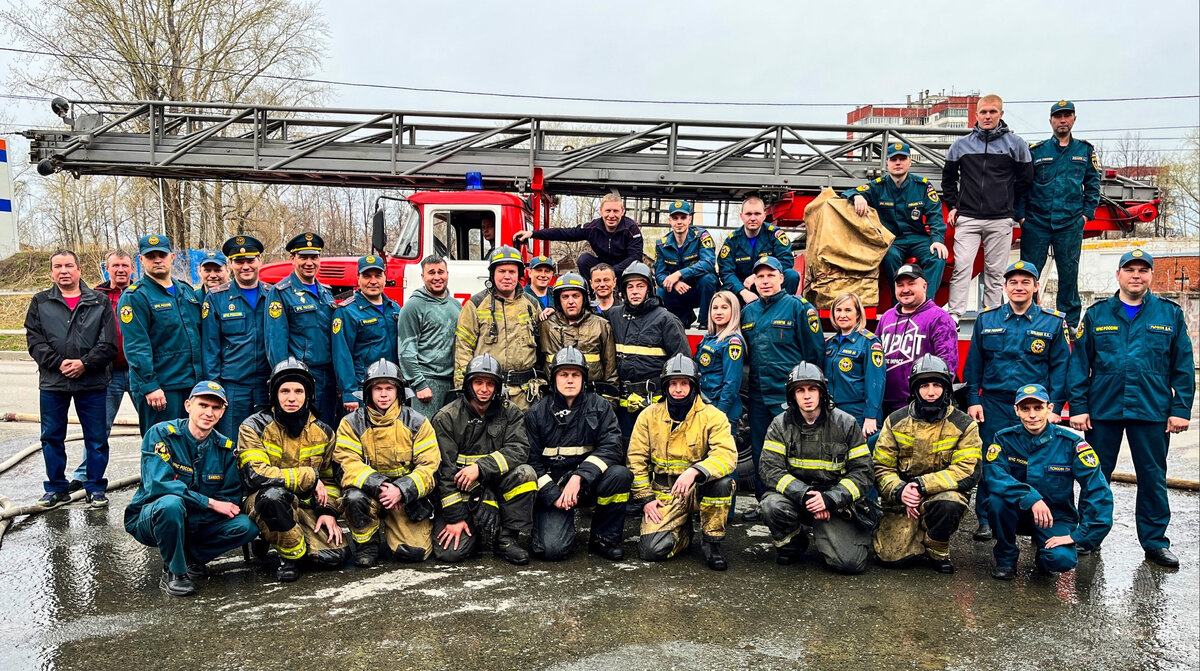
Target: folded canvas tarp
column 844, row 251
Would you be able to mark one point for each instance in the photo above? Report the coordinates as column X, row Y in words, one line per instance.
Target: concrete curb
column 15, row 356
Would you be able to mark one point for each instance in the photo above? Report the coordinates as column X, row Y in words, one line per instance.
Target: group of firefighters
column 440, row 429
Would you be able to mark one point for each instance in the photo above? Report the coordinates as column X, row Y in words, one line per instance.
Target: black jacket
column 986, row 173
column 55, row 333
column 618, row 249
column 647, row 335
column 582, row 440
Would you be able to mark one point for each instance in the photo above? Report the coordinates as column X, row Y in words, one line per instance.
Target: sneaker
column 52, row 500
column 74, row 486
column 97, row 500
column 174, row 584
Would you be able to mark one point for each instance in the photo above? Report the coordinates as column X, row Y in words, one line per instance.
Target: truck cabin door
column 464, row 235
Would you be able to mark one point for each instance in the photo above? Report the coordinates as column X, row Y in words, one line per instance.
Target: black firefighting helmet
column 485, row 365
column 679, row 366
column 502, row 255
column 570, row 281
column 382, row 371
column 292, row 369
column 568, row 357
column 807, row 373
column 930, row 368
column 638, row 270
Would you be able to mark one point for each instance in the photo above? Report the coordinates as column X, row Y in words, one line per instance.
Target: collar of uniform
column 1043, row 437
column 1118, row 306
column 852, row 337
column 1008, row 312
column 903, row 183
column 236, row 289
column 298, row 284
column 362, row 300
column 691, row 235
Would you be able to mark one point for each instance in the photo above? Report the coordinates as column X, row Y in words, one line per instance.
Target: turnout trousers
column 845, row 546
column 673, row 534
column 408, row 540
column 554, row 530
column 500, row 509
column 291, row 529
column 900, row 538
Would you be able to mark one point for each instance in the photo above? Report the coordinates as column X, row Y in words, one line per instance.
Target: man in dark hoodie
column 986, row 174
column 427, row 323
column 615, row 238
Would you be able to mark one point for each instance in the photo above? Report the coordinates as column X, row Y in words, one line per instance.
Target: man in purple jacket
column 615, row 238
column 913, row 327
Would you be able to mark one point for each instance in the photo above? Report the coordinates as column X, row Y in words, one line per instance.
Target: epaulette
column 284, row 283
column 1056, row 313
column 879, row 180
column 1167, row 300
column 1034, row 143
column 219, row 289
column 924, row 180
column 990, row 308
column 132, row 287
column 866, row 333
column 345, row 301
column 664, row 239
column 1086, row 142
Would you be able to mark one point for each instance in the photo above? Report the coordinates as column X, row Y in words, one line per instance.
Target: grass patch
column 12, row 343
column 30, row 270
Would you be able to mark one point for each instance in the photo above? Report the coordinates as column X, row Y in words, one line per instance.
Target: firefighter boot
column 287, row 571
column 366, row 554
column 507, row 548
column 607, row 550
column 712, row 555
column 789, row 553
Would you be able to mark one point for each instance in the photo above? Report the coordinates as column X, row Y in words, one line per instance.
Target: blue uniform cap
column 541, row 260
column 209, row 388
column 899, row 148
column 154, row 243
column 679, row 206
column 240, row 246
column 306, row 243
column 768, row 261
column 1032, row 391
column 1022, row 267
column 371, row 261
column 213, row 256
column 1136, row 255
column 1062, row 106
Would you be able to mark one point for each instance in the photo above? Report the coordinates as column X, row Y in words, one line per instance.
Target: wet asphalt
column 77, row 592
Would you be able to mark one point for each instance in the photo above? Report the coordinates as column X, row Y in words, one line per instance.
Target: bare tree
column 1179, row 179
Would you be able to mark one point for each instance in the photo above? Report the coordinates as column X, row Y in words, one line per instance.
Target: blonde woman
column 854, row 364
column 721, row 354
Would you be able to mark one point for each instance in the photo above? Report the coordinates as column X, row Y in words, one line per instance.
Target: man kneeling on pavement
column 1031, row 471
column 389, row 455
column 817, row 468
column 484, row 484
column 186, row 504
column 681, row 455
column 285, row 457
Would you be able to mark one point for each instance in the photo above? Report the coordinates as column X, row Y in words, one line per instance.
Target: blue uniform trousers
column 1036, row 241
column 1008, row 520
column 177, row 532
column 1148, row 443
column 328, row 400
column 917, row 247
column 244, row 400
column 998, row 414
column 89, row 406
column 699, row 296
column 148, row 417
column 759, row 415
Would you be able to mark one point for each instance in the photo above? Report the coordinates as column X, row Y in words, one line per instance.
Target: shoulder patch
column 275, row 309
column 993, row 451
column 204, row 310
column 1088, row 457
column 337, row 325
column 877, row 357
column 814, row 321
column 160, row 448
column 725, row 250
column 126, row 314
column 706, row 240
column 782, row 237
column 735, row 350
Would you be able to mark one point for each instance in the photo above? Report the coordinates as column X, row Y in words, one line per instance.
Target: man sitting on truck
column 747, row 245
column 615, row 238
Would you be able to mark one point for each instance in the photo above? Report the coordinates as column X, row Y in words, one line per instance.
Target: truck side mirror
column 378, row 236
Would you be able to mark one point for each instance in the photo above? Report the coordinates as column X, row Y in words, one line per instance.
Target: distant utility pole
column 8, row 223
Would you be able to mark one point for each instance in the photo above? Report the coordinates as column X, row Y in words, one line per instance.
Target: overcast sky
column 779, row 52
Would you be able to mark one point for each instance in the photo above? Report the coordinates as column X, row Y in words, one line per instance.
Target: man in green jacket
column 427, row 323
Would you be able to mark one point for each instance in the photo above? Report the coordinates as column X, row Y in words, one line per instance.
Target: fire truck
column 465, row 173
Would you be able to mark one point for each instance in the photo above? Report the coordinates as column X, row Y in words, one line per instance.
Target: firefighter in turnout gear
column 817, row 468
column 681, row 455
column 925, row 468
column 575, row 450
column 647, row 335
column 502, row 321
column 575, row 324
column 389, row 455
column 484, row 482
column 285, row 458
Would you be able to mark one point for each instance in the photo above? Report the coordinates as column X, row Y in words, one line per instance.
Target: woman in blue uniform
column 854, row 365
column 721, row 355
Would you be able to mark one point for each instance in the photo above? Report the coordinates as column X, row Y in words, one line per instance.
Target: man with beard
column 285, row 457
column 484, row 484
column 389, row 456
column 646, row 336
column 817, row 467
column 160, row 328
column 233, row 321
column 300, row 323
column 746, row 246
column 187, row 502
column 681, row 456
column 575, row 325
column 604, row 285
column 685, row 266
column 576, row 452
column 925, row 467
column 615, row 239
column 426, row 330
column 364, row 329
column 502, row 321
column 913, row 327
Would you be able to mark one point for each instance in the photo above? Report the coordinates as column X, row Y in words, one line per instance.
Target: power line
column 528, row 96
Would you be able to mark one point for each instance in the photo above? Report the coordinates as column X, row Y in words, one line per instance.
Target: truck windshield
column 408, row 242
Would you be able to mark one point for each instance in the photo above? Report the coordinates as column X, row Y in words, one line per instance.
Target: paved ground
column 76, row 592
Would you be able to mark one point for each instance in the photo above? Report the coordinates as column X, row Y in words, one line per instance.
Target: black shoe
column 52, row 500
column 983, row 533
column 713, row 557
column 196, row 570
column 366, row 554
column 941, row 565
column 287, row 571
column 1163, row 557
column 74, row 486
column 1004, row 573
column 789, row 554
column 751, row 515
column 508, row 549
column 174, row 584
column 1083, row 550
column 609, row 552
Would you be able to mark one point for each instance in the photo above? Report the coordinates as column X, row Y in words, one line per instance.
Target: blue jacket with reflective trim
column 693, row 260
column 1022, row 469
column 737, row 257
column 362, row 335
column 721, row 365
column 905, row 209
column 1009, row 351
column 299, row 323
column 1140, row 370
column 855, row 369
column 161, row 336
column 781, row 331
column 175, row 463
column 1066, row 184
column 233, row 336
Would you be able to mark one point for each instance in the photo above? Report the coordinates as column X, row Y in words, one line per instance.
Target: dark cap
column 909, row 270
column 1136, row 255
column 371, row 261
column 1022, row 267
column 306, row 243
column 209, row 388
column 679, row 206
column 541, row 260
column 1062, row 106
column 213, row 257
column 899, row 148
column 242, row 246
column 1032, row 391
column 769, row 262
column 154, row 243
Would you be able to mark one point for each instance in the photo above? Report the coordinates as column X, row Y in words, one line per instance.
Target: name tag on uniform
column 1041, row 334
column 1048, row 159
column 162, row 306
column 215, row 478
column 1059, row 469
column 303, row 308
column 849, row 352
column 1161, row 328
column 1107, row 329
column 747, row 327
column 886, row 203
column 232, row 315
column 181, row 467
column 783, row 322
column 991, row 331
column 739, row 259
column 372, row 320
column 1079, row 159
